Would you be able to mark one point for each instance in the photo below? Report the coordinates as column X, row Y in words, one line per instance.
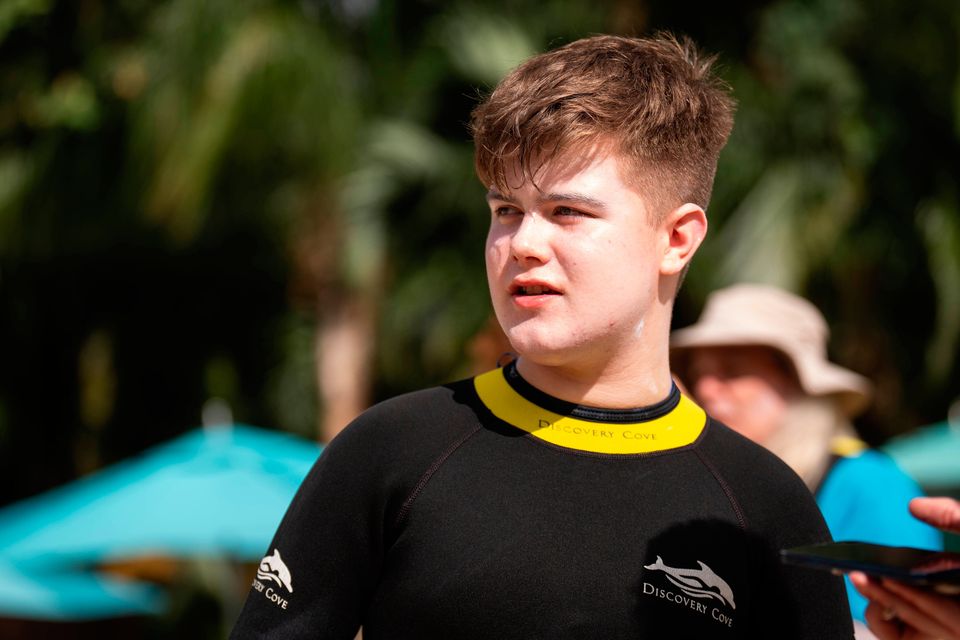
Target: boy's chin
column 542, row 350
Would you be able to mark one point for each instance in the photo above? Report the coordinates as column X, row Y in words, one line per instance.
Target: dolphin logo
column 272, row 568
column 698, row 583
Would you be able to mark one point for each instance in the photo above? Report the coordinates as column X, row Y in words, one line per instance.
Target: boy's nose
column 529, row 242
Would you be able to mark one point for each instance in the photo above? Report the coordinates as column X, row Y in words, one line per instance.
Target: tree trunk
column 344, row 350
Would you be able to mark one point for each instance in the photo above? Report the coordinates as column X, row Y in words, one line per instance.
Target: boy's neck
column 612, row 385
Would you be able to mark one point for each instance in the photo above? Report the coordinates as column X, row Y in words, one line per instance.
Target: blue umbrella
column 69, row 595
column 215, row 491
column 931, row 455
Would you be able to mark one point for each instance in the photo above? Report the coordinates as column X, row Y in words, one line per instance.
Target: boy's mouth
column 535, row 290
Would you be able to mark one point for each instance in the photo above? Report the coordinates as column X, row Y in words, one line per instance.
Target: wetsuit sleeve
column 779, row 512
column 802, row 603
column 322, row 565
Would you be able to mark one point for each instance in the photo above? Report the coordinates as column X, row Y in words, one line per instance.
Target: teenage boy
column 575, row 492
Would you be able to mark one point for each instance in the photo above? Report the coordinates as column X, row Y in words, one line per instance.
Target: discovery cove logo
column 698, row 589
column 273, row 570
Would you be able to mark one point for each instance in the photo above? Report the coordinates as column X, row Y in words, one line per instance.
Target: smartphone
column 937, row 570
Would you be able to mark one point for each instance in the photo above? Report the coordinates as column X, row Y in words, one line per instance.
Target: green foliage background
column 187, row 187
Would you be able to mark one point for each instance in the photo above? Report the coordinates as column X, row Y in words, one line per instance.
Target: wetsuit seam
column 734, row 503
column 428, row 474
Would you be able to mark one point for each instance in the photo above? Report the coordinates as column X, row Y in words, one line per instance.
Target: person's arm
column 899, row 612
column 817, row 598
column 324, row 562
column 779, row 511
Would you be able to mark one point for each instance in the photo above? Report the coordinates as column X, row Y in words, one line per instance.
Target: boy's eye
column 505, row 211
column 567, row 211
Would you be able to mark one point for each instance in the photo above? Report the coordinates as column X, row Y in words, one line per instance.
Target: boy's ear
column 684, row 229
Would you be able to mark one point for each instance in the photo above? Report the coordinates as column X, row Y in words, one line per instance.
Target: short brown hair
column 655, row 99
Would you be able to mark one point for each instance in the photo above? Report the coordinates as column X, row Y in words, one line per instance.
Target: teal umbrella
column 214, row 491
column 931, row 455
column 73, row 595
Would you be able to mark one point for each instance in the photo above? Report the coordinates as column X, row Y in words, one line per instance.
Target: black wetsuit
column 487, row 509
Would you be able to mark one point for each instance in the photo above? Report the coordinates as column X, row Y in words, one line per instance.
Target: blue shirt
column 864, row 497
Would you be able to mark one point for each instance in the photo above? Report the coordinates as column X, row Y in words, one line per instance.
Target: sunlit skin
column 582, row 280
column 745, row 387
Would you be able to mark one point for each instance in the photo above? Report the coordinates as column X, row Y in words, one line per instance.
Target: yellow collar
column 676, row 427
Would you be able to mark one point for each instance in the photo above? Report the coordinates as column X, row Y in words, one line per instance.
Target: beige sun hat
column 762, row 315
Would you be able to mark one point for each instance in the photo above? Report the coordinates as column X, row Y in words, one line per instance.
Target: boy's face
column 573, row 267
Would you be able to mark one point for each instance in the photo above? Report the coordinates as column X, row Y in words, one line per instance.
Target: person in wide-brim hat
column 757, row 361
column 760, row 315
